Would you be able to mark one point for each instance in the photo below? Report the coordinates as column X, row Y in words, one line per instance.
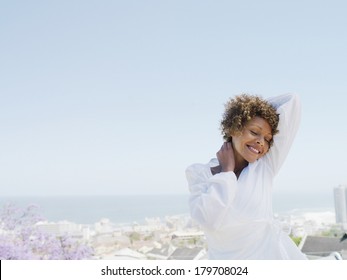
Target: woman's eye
column 253, row 132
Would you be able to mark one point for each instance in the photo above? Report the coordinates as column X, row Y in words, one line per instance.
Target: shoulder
column 201, row 169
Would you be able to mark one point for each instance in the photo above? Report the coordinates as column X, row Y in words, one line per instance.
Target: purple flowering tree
column 20, row 239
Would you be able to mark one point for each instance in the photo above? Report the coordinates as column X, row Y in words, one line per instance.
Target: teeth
column 254, row 150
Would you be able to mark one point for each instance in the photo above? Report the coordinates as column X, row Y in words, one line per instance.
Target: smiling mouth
column 253, row 150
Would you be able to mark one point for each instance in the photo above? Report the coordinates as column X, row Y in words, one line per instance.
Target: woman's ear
column 229, row 139
column 235, row 134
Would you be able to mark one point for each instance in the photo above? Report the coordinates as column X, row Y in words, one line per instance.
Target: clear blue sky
column 118, row 97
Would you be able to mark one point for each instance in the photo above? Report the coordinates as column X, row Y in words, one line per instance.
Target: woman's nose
column 260, row 141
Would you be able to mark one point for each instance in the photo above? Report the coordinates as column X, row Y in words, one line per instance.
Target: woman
column 231, row 196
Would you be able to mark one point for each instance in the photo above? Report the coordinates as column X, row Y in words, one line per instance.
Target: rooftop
column 323, row 246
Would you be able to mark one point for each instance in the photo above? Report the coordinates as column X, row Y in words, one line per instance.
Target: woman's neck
column 238, row 168
column 240, row 163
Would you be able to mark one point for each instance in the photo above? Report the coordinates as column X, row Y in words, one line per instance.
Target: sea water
column 136, row 208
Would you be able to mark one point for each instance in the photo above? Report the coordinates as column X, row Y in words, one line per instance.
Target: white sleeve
column 210, row 196
column 289, row 109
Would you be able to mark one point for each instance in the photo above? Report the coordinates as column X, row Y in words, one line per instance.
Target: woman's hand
column 226, row 157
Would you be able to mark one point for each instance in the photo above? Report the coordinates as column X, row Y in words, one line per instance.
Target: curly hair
column 241, row 109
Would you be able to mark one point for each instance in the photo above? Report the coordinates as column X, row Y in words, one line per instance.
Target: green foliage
column 149, row 237
column 333, row 232
column 134, row 236
column 296, row 240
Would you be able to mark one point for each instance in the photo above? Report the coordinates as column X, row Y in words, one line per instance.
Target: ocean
column 135, row 208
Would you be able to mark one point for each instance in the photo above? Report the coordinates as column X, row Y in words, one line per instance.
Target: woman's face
column 253, row 141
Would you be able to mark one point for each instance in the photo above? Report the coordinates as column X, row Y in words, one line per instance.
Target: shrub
column 20, row 239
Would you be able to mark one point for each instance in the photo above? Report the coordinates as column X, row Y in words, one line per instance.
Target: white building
column 340, row 198
column 62, row 227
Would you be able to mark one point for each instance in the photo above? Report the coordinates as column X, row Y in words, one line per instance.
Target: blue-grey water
column 90, row 209
column 130, row 208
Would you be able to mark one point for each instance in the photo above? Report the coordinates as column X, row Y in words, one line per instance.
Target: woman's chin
column 251, row 160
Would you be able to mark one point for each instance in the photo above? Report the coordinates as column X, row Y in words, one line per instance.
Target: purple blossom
column 20, row 239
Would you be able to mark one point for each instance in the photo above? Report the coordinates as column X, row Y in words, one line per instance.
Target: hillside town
column 178, row 237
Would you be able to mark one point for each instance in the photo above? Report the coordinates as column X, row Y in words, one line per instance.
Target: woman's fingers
column 225, row 157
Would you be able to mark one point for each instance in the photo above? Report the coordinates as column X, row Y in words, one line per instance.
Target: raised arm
column 210, row 195
column 289, row 109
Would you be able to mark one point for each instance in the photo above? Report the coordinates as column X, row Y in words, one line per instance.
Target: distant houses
column 175, row 237
column 179, row 238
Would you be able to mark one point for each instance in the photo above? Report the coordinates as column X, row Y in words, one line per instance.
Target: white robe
column 236, row 214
